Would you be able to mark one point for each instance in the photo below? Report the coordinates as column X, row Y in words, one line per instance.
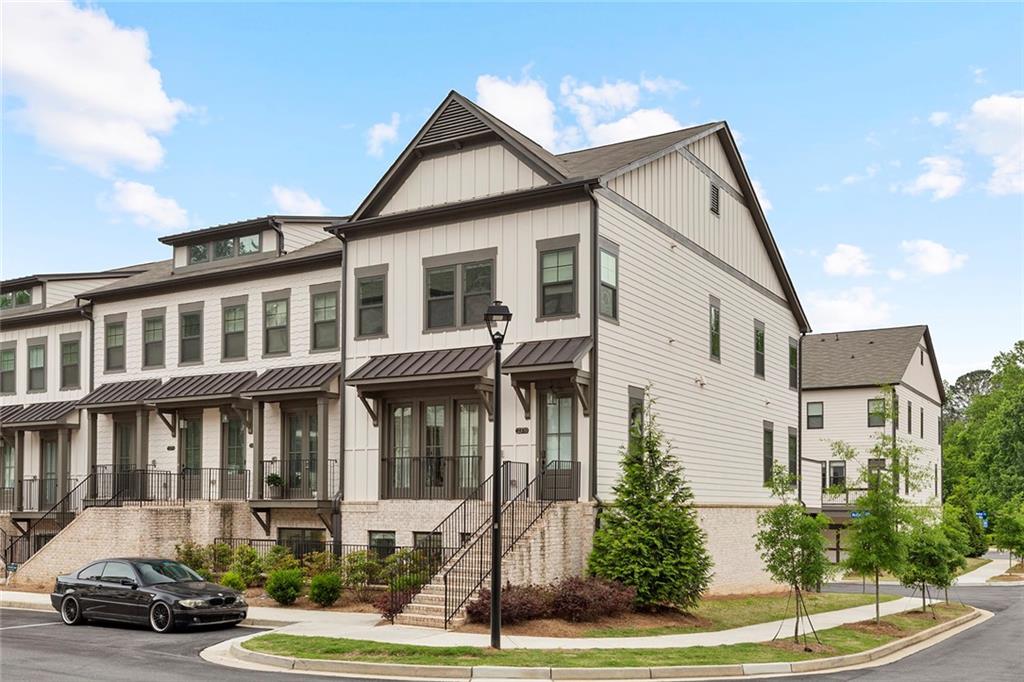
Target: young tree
column 792, row 543
column 1009, row 531
column 649, row 539
column 976, row 540
column 930, row 560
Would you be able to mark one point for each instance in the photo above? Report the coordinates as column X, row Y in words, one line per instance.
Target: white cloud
column 380, row 134
column 854, row 178
column 943, row 177
column 144, row 206
column 89, row 92
column 639, row 123
column 296, row 201
column 847, row 260
column 995, row 128
column 824, row 188
column 523, row 104
column 660, row 84
column 855, row 308
column 939, row 118
column 979, row 75
column 931, row 258
column 896, row 274
column 762, row 197
column 872, row 139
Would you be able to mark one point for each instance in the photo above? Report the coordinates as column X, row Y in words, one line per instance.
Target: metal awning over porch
column 120, row 395
column 414, row 370
column 198, row 391
column 293, row 382
column 36, row 416
column 550, row 361
column 8, row 411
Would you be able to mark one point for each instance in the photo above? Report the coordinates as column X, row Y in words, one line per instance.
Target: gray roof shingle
column 871, row 357
column 600, row 160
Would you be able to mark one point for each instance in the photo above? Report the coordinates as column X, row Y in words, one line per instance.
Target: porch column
column 321, row 449
column 19, row 468
column 257, row 450
column 142, row 438
column 90, row 463
column 63, row 455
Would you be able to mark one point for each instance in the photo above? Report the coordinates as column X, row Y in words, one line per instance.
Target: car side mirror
column 128, row 582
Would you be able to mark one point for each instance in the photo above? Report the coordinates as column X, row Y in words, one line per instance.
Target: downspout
column 595, row 264
column 800, row 418
column 276, row 226
column 336, row 521
column 86, row 312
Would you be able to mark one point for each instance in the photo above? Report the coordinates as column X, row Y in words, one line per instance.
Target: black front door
column 557, row 443
column 300, row 463
column 233, row 472
column 190, row 445
column 48, row 471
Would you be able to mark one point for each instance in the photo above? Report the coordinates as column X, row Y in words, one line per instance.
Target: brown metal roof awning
column 6, row 412
column 200, row 389
column 550, row 360
column 283, row 381
column 42, row 415
column 401, row 371
column 119, row 395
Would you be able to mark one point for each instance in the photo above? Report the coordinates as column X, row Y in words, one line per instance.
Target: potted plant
column 274, row 483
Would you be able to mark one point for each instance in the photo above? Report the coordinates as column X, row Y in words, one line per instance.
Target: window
column 922, row 356
column 920, row 421
column 794, row 360
column 302, row 541
column 608, row 297
column 896, row 411
column 428, row 543
column 190, row 329
column 558, row 282
column 816, row 415
column 635, row 422
column 37, row 366
column 234, row 331
column 876, row 464
column 70, row 374
column 792, row 451
column 370, row 311
column 220, row 249
column 759, row 349
column 114, row 346
column 938, row 429
column 876, row 412
column 223, row 248
column 198, row 253
column 715, row 328
column 325, row 320
column 248, row 244
column 837, row 473
column 13, row 299
column 382, row 543
column 233, row 444
column 6, row 301
column 153, row 341
column 716, row 199
column 275, row 326
column 441, row 298
column 768, row 451
column 8, row 370
column 477, row 291
column 6, row 469
column 458, row 287
column 910, row 417
column 116, row 571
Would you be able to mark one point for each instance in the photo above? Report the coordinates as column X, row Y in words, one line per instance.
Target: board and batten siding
column 712, row 413
column 460, row 175
column 674, row 190
column 515, row 237
column 709, row 150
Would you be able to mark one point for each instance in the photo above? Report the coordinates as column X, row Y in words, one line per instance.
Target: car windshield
column 154, row 572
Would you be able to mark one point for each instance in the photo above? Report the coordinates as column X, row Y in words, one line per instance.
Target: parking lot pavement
column 36, row 647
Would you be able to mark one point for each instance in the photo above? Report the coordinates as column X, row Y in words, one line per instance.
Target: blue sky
column 887, row 140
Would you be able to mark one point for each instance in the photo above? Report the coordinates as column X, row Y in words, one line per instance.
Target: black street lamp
column 497, row 318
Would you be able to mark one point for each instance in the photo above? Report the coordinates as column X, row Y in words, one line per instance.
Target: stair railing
column 43, row 529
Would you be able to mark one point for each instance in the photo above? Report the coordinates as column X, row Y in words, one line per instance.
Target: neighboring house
column 45, row 368
column 643, row 264
column 844, row 380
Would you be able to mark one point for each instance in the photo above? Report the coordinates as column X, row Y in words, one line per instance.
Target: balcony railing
column 7, row 498
column 148, row 487
column 37, row 494
column 844, row 498
column 298, row 479
column 430, row 478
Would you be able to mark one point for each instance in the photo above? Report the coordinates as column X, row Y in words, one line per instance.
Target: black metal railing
column 846, row 497
column 430, row 478
column 298, row 479
column 43, row 529
column 463, row 575
column 214, row 484
column 149, row 487
column 304, row 549
column 41, row 493
column 7, row 499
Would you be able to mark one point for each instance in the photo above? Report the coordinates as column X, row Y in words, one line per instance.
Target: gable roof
column 869, row 357
column 597, row 161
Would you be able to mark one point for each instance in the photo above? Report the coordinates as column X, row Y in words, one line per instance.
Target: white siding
column 298, row 235
column 52, row 332
column 709, row 150
column 662, row 341
column 919, row 374
column 676, row 192
column 58, row 291
column 460, row 175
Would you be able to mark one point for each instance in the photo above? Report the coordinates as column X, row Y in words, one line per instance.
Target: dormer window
column 222, row 249
column 198, row 253
column 13, row 299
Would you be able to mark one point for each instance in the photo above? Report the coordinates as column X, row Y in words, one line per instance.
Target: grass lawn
column 837, row 641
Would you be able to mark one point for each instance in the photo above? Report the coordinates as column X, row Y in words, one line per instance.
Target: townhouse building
column 847, row 377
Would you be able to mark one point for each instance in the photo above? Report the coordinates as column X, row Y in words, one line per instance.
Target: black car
column 163, row 593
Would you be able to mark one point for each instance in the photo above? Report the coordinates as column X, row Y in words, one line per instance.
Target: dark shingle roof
column 423, row 364
column 871, row 357
column 597, row 161
column 293, row 379
column 548, row 353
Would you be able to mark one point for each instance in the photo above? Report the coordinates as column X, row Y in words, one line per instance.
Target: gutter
column 341, row 377
column 595, row 254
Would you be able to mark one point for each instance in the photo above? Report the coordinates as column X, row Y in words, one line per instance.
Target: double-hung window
column 557, row 287
column 459, row 287
column 371, row 301
column 275, row 323
column 636, row 415
column 837, row 473
column 794, row 363
column 816, row 415
column 876, row 412
column 759, row 349
column 441, row 297
column 910, row 417
column 324, row 315
column 715, row 329
column 114, row 341
column 382, row 543
column 190, row 331
column 233, row 329
column 70, row 363
column 37, row 365
column 608, row 295
column 768, row 450
column 792, row 452
column 8, row 368
column 153, row 339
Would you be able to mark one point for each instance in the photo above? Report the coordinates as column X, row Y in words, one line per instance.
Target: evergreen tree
column 650, row 539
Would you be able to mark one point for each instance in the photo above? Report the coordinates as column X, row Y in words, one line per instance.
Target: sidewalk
column 365, row 626
column 999, row 564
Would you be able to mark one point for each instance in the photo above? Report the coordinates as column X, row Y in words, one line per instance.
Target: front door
column 556, row 446
column 233, row 472
column 301, row 481
column 124, row 459
column 431, row 470
column 6, row 476
column 398, row 463
column 468, row 450
column 48, row 471
column 190, row 443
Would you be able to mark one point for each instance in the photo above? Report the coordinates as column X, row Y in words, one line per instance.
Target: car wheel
column 160, row 618
column 71, row 611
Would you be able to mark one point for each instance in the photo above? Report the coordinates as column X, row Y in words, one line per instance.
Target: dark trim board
column 693, row 246
column 897, row 383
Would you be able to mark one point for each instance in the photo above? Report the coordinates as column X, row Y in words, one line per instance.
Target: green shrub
column 285, row 586
column 234, row 581
column 206, row 574
column 279, row 558
column 360, row 569
column 406, row 569
column 219, row 556
column 315, row 563
column 325, row 589
column 247, row 565
column 192, row 555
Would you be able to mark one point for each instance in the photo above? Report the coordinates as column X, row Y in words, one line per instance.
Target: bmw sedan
column 162, row 593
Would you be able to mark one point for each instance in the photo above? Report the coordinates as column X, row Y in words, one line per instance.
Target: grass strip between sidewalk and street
column 846, row 639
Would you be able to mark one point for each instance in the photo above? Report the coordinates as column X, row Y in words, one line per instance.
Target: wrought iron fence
column 430, row 478
column 53, row 520
column 149, row 487
column 7, row 499
column 297, row 479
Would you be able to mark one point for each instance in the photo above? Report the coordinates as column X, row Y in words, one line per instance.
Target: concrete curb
column 401, row 670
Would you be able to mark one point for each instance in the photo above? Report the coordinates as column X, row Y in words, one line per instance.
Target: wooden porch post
column 322, row 419
column 63, row 455
column 142, row 438
column 90, row 464
column 19, row 468
column 257, row 449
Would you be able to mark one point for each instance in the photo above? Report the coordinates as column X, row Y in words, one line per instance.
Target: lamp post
column 497, row 318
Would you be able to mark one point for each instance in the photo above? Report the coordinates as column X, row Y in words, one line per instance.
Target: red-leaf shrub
column 588, row 599
column 518, row 603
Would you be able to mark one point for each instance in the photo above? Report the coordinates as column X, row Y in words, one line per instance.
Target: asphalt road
column 36, row 646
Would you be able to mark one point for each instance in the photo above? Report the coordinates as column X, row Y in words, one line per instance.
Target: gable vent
column 454, row 123
column 715, row 199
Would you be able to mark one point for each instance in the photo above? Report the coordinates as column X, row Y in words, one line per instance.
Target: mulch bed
column 554, row 627
column 257, row 596
column 883, row 628
column 789, row 645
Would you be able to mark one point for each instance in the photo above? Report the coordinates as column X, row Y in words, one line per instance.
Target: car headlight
column 192, row 603
column 240, row 600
